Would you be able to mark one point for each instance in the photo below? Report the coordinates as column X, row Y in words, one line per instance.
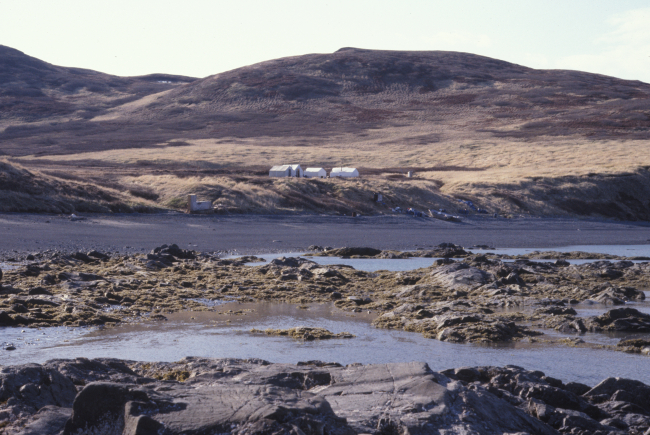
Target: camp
column 315, row 173
column 280, row 171
column 344, row 172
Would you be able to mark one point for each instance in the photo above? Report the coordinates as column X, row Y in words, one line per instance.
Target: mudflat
column 257, row 234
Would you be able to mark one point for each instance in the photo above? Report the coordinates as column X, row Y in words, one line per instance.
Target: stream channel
column 215, row 334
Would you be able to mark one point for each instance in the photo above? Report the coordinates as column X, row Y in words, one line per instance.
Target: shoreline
column 259, row 234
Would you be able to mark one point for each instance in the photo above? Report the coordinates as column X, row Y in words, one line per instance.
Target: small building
column 280, row 171
column 286, row 171
column 296, row 171
column 196, row 206
column 315, row 173
column 344, row 172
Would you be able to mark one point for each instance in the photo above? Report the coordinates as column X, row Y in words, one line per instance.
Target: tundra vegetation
column 513, row 140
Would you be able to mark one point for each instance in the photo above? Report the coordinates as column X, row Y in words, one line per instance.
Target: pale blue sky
column 200, row 37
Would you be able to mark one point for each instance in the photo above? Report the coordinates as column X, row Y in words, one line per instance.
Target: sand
column 25, row 233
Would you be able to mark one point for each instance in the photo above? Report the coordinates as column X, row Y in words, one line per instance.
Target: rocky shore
column 461, row 297
column 219, row 396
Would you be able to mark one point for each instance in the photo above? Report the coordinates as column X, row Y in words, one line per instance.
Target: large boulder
column 33, row 386
column 458, row 276
column 350, row 252
column 620, row 319
column 254, row 397
column 201, row 409
column 174, row 251
column 626, row 390
column 410, row 398
column 49, row 420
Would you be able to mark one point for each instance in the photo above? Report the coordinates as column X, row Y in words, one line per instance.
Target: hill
column 512, row 139
column 40, row 101
column 430, row 96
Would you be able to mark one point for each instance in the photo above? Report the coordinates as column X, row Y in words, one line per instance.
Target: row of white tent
column 297, row 171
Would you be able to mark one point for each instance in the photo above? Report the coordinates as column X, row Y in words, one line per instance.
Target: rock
column 31, row 270
column 49, row 420
column 100, row 406
column 90, row 277
column 635, row 392
column 6, row 319
column 83, row 257
column 556, row 311
column 174, row 251
column 9, row 290
column 620, row 319
column 35, row 302
column 326, row 272
column 36, row 386
column 569, row 420
column 39, row 291
column 349, row 252
column 472, row 328
column 19, row 308
column 618, row 295
column 577, row 388
column 460, row 276
column 98, row 255
column 637, row 345
column 304, row 333
column 237, row 409
column 48, row 280
column 413, row 399
column 291, row 262
column 255, row 397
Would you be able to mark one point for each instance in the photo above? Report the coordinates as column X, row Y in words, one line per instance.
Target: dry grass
column 550, row 177
column 264, row 195
column 23, row 190
column 501, row 159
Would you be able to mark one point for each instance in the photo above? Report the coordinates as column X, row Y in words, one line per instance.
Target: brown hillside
column 40, row 101
column 431, row 96
column 513, row 140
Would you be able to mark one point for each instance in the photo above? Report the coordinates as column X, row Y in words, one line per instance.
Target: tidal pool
column 406, row 264
column 215, row 335
column 622, row 250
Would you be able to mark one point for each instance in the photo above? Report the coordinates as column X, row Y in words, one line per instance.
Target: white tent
column 344, row 172
column 280, row 171
column 296, row 171
column 315, row 173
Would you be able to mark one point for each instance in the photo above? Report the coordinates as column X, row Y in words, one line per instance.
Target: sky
column 203, row 37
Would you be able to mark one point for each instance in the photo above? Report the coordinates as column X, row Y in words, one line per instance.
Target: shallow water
column 365, row 264
column 586, row 309
column 406, row 264
column 209, row 334
column 622, row 250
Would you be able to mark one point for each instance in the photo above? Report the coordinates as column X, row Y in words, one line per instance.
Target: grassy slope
column 511, row 138
column 22, row 190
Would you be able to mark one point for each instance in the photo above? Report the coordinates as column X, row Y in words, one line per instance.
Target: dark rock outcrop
column 200, row 396
column 620, row 319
